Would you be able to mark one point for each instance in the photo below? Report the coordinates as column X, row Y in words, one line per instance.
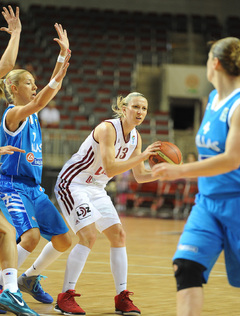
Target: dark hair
column 227, row 50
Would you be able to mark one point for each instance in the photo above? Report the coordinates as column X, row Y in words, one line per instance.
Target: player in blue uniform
column 32, row 212
column 10, row 298
column 214, row 222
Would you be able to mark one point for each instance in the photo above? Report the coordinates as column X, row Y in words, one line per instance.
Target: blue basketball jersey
column 28, row 137
column 210, row 141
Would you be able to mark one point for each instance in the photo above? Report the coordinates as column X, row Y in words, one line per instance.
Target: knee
column 121, row 237
column 11, row 231
column 62, row 242
column 8, row 234
column 87, row 238
column 188, row 273
column 30, row 239
column 118, row 237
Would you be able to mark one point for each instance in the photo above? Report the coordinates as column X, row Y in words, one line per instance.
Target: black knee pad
column 188, row 274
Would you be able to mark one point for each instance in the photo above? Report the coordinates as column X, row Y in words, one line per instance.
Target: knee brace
column 188, row 274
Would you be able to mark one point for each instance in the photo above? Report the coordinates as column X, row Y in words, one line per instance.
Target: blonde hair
column 121, row 101
column 227, row 50
column 12, row 78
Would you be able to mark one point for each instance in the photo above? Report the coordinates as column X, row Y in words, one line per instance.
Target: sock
column 10, row 280
column 119, row 267
column 48, row 255
column 75, row 264
column 22, row 256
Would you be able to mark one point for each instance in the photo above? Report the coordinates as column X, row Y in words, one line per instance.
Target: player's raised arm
column 63, row 43
column 14, row 28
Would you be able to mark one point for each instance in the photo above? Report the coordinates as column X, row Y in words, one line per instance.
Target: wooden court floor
column 150, row 245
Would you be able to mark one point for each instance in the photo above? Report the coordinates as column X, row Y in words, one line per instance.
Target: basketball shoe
column 67, row 305
column 2, row 311
column 32, row 286
column 13, row 302
column 125, row 306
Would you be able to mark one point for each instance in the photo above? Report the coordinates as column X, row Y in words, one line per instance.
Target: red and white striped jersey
column 86, row 167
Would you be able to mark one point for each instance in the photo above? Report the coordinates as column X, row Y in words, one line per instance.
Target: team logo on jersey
column 33, row 161
column 206, row 128
column 223, row 116
column 83, row 211
column 133, row 140
column 30, row 157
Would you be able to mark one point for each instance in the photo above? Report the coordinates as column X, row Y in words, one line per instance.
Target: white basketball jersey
column 86, row 167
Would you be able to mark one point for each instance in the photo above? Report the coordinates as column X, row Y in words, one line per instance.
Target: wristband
column 61, row 59
column 53, row 84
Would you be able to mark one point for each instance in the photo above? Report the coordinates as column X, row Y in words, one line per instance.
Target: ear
column 14, row 88
column 216, row 63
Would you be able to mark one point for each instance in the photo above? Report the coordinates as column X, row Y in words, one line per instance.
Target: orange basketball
column 168, row 153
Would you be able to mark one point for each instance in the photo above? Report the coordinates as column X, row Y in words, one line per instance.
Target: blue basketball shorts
column 27, row 206
column 213, row 226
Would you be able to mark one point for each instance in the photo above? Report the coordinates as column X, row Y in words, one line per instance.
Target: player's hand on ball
column 152, row 149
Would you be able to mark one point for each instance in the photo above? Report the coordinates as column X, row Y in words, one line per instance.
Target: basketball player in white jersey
column 112, row 148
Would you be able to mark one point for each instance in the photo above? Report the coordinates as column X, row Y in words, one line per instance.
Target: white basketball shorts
column 83, row 205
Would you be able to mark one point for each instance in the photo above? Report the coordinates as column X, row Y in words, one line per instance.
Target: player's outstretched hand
column 10, row 150
column 167, row 171
column 62, row 39
column 13, row 20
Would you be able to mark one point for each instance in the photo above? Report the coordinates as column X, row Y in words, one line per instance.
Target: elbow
column 110, row 173
column 8, row 67
column 139, row 179
column 235, row 165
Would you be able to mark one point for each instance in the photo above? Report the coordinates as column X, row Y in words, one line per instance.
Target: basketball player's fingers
column 56, row 25
column 4, row 29
column 155, row 147
column 11, row 11
column 68, row 57
column 5, row 13
column 17, row 12
column 60, row 27
column 12, row 148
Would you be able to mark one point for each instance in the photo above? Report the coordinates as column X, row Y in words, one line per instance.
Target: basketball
column 169, row 153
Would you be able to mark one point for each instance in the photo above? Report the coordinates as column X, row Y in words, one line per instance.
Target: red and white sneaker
column 125, row 306
column 67, row 305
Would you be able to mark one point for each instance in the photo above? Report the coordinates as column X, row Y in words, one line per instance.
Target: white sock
column 48, row 255
column 10, row 280
column 22, row 256
column 75, row 264
column 119, row 267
